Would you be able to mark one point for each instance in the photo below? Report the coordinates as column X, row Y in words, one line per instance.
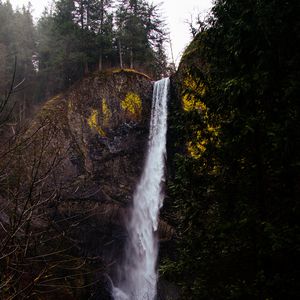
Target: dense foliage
column 72, row 39
column 81, row 36
column 234, row 151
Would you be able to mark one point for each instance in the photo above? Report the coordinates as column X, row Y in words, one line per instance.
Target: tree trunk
column 120, row 54
column 101, row 35
column 100, row 61
column 131, row 58
column 88, row 17
column 81, row 15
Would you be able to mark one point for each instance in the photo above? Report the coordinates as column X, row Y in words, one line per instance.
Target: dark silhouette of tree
column 235, row 149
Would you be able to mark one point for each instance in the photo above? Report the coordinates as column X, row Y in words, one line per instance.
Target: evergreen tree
column 102, row 25
column 236, row 160
column 140, row 31
column 84, row 35
column 17, row 44
column 7, row 50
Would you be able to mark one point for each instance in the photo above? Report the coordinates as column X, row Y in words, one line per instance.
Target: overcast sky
column 175, row 11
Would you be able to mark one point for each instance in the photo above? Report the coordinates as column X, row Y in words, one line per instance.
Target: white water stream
column 139, row 275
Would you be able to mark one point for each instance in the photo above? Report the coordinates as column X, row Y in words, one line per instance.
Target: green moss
column 130, row 71
column 93, row 122
column 132, row 105
column 54, row 110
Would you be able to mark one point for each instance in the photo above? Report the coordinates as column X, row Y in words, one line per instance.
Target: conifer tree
column 139, row 30
column 17, row 52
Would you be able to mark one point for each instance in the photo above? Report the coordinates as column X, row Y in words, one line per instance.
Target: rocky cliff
column 78, row 164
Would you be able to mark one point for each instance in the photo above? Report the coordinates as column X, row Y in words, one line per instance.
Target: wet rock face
column 96, row 134
column 99, row 129
column 108, row 120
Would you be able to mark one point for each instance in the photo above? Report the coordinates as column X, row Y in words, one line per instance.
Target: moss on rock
column 132, row 105
column 93, row 122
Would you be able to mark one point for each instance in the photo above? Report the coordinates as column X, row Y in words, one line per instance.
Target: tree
column 82, row 35
column 236, row 153
column 37, row 248
column 61, row 61
column 17, row 38
column 103, row 26
column 140, row 33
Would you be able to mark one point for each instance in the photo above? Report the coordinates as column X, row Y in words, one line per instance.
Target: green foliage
column 141, row 35
column 75, row 38
column 236, row 203
column 80, row 36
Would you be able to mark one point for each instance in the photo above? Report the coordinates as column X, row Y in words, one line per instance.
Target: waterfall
column 139, row 276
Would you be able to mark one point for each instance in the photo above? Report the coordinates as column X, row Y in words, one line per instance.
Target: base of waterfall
column 119, row 294
column 139, row 291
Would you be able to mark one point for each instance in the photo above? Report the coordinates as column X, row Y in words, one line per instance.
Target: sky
column 176, row 12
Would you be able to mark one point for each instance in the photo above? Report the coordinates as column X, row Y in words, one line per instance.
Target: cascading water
column 139, row 276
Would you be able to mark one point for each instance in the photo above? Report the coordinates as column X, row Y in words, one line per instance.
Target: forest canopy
column 76, row 37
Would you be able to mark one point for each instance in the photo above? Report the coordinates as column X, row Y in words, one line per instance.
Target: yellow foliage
column 193, row 85
column 213, row 130
column 196, row 150
column 93, row 122
column 132, row 104
column 106, row 112
column 198, row 147
column 193, row 93
column 192, row 99
column 190, row 102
